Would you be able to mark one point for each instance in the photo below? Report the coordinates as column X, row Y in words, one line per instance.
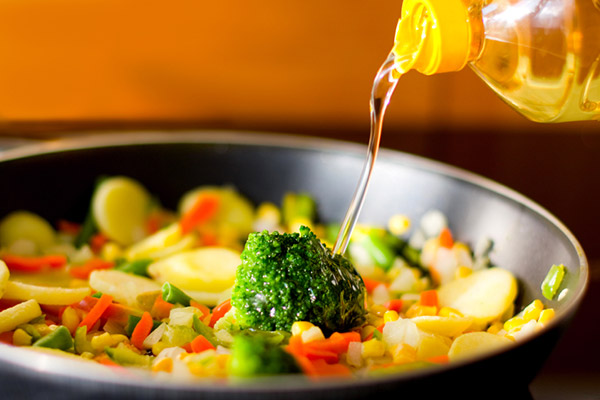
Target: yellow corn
column 164, row 365
column 99, row 342
column 300, row 327
column 495, row 327
column 450, row 312
column 546, row 316
column 70, row 319
column 513, row 323
column 462, row 272
column 373, row 348
column 533, row 310
column 268, row 211
column 111, row 251
column 21, row 338
column 418, row 310
column 312, row 334
column 403, row 353
column 399, row 224
column 390, row 316
column 378, row 310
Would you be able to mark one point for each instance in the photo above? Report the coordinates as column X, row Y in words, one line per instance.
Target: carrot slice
column 161, row 308
column 371, row 284
column 142, row 330
column 219, row 311
column 203, row 209
column 429, row 298
column 96, row 312
column 394, row 305
column 446, row 239
column 200, row 343
column 83, row 271
column 33, row 264
column 203, row 309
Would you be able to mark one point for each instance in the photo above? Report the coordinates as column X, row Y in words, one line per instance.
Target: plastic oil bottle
column 541, row 56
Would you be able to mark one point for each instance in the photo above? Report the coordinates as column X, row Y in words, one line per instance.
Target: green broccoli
column 285, row 278
column 256, row 356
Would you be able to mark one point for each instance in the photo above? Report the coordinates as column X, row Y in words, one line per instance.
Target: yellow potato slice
column 123, row 287
column 484, row 295
column 432, row 346
column 206, row 269
column 50, row 295
column 4, row 275
column 165, row 242
column 18, row 315
column 120, row 207
column 24, row 225
column 445, row 326
column 474, row 343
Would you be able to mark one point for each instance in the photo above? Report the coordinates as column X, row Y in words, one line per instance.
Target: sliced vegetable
column 33, row 264
column 48, row 295
column 127, row 357
column 142, row 330
column 4, row 275
column 205, row 331
column 133, row 322
column 83, row 271
column 123, row 287
column 96, row 312
column 25, row 225
column 219, row 311
column 553, row 280
column 120, row 206
column 204, row 208
column 19, row 314
column 200, row 343
column 475, row 343
column 58, row 339
column 136, row 267
column 382, row 254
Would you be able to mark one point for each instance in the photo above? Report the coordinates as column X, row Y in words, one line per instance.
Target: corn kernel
column 373, row 348
column 111, row 251
column 312, row 334
column 495, row 327
column 462, row 272
column 390, row 316
column 546, row 316
column 403, row 353
column 417, row 310
column 449, row 312
column 300, row 327
column 164, row 365
column 21, row 338
column 70, row 319
column 533, row 310
column 399, row 224
column 268, row 211
column 513, row 323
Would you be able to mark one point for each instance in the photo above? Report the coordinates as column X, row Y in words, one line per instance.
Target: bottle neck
column 435, row 36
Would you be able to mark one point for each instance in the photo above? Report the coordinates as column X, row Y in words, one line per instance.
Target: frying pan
column 55, row 179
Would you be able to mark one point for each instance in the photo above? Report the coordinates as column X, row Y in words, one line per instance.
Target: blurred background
column 292, row 67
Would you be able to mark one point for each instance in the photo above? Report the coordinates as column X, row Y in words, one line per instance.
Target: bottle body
column 542, row 57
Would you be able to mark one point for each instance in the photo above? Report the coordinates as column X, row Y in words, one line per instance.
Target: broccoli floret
column 257, row 356
column 285, row 278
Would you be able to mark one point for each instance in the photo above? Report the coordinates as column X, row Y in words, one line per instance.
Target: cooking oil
column 541, row 56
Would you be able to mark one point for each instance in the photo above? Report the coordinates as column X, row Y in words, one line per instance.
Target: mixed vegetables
column 223, row 289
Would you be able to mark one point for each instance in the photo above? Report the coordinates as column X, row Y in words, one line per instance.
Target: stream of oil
column 383, row 87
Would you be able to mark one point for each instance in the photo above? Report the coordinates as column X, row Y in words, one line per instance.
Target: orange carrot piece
column 394, row 305
column 142, row 330
column 115, row 312
column 161, row 308
column 7, row 337
column 429, row 298
column 314, row 354
column 83, row 271
column 203, row 309
column 68, row 227
column 203, row 209
column 34, row 264
column 97, row 241
column 323, row 369
column 441, row 359
column 219, row 311
column 96, row 312
column 371, row 284
column 446, row 239
column 200, row 343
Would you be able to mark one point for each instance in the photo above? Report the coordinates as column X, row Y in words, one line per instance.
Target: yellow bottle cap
column 432, row 36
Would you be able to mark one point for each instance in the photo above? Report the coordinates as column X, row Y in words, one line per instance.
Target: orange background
column 290, row 66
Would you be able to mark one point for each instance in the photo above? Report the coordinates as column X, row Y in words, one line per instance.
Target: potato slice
column 25, row 225
column 483, row 295
column 206, row 269
column 18, row 315
column 50, row 295
column 474, row 343
column 123, row 287
column 4, row 275
column 120, row 206
column 432, row 346
column 445, row 326
column 163, row 243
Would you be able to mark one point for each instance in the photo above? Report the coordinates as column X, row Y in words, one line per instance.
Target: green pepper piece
column 59, row 339
column 81, row 344
column 377, row 335
column 205, row 331
column 136, row 267
column 133, row 321
column 127, row 357
column 553, row 280
column 175, row 295
column 381, row 253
